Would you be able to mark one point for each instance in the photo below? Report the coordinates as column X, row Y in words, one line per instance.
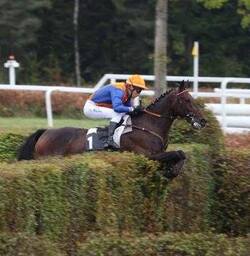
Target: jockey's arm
column 117, row 104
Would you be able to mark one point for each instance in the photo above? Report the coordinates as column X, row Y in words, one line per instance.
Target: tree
column 55, row 47
column 19, row 23
column 244, row 11
column 243, row 8
column 160, row 55
column 118, row 36
column 76, row 44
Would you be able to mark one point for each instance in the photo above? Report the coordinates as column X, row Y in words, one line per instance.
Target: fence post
column 49, row 107
column 195, row 53
column 11, row 64
column 224, row 102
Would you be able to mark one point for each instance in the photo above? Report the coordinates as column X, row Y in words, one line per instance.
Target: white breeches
column 91, row 110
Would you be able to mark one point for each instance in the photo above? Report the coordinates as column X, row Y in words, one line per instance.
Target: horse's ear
column 181, row 86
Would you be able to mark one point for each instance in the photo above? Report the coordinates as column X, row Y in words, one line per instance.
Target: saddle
column 97, row 137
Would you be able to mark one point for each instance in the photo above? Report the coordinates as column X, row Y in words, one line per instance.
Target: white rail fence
column 48, row 90
column 233, row 117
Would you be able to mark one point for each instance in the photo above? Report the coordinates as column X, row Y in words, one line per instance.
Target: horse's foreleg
column 171, row 162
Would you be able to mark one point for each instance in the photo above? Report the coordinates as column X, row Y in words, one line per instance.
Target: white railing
column 48, row 90
column 223, row 93
column 242, row 93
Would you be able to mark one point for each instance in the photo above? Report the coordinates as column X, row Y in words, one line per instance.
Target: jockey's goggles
column 137, row 89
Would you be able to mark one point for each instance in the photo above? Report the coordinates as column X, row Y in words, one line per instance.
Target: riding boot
column 110, row 142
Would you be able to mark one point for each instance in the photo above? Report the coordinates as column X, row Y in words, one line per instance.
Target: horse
column 149, row 135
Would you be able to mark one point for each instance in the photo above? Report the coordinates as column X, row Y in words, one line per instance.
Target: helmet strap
column 129, row 91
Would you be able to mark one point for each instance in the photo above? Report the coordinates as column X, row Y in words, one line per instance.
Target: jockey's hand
column 137, row 110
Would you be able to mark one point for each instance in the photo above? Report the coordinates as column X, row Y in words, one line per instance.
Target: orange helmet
column 138, row 81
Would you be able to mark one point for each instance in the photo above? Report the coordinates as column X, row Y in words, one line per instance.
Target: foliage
column 210, row 4
column 212, row 28
column 168, row 244
column 103, row 197
column 24, row 244
column 9, row 144
column 66, row 199
column 211, row 135
column 20, row 15
column 243, row 8
column 179, row 206
column 118, row 37
column 231, row 202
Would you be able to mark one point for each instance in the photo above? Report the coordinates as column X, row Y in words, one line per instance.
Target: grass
column 27, row 125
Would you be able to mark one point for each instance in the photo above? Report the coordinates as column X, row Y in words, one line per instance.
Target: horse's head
column 184, row 107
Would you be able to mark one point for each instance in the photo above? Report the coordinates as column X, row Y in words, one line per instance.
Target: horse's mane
column 159, row 99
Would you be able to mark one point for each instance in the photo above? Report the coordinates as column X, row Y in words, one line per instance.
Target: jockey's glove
column 136, row 110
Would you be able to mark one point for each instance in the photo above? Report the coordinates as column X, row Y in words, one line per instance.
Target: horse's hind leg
column 171, row 162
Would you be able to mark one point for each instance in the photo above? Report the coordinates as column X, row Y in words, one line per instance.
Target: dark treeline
column 117, row 36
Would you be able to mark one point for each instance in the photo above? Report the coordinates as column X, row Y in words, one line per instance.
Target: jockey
column 113, row 101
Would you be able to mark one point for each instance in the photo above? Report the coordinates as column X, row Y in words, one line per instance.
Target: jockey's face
column 135, row 91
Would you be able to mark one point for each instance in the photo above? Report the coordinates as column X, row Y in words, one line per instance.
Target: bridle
column 171, row 117
column 159, row 115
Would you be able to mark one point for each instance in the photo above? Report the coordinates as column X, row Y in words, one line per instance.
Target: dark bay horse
column 148, row 137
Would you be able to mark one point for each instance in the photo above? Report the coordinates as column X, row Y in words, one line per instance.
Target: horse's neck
column 162, row 125
column 159, row 125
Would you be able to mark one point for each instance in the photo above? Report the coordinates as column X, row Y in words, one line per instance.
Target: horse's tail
column 27, row 149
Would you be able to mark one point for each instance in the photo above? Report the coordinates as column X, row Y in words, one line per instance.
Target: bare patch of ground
column 238, row 140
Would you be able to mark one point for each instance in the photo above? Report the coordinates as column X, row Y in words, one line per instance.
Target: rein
column 164, row 116
column 181, row 92
column 159, row 115
column 171, row 117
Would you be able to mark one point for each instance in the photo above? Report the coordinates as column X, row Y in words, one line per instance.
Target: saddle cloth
column 97, row 137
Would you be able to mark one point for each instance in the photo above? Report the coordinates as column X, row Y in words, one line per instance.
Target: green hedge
column 229, row 201
column 169, row 244
column 24, row 244
column 106, row 192
column 112, row 193
column 186, row 201
column 212, row 135
column 231, row 209
column 9, row 145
